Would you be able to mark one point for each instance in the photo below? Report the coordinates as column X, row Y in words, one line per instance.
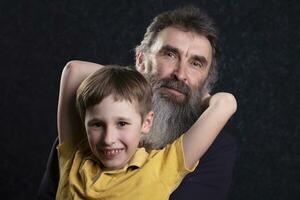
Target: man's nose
column 180, row 72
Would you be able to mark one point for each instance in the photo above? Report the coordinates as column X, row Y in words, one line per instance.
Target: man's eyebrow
column 201, row 59
column 169, row 48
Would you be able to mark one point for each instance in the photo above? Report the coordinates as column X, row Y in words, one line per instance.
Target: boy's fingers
column 205, row 99
column 206, row 96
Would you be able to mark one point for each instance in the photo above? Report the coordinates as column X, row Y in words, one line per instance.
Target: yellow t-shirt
column 154, row 175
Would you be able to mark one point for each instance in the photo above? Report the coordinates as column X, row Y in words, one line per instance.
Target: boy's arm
column 68, row 122
column 212, row 178
column 201, row 135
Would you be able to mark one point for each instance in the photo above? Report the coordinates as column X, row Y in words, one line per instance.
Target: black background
column 260, row 42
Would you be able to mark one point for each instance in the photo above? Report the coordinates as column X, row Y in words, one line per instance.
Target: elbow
column 230, row 103
column 71, row 66
column 227, row 102
column 69, row 71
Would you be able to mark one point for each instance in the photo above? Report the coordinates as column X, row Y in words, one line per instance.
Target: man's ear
column 139, row 62
column 147, row 123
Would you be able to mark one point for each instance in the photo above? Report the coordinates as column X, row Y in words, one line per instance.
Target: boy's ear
column 139, row 62
column 147, row 123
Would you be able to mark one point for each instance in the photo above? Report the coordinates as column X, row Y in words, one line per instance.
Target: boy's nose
column 109, row 137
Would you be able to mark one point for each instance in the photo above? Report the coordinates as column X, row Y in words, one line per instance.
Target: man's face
column 180, row 60
column 177, row 66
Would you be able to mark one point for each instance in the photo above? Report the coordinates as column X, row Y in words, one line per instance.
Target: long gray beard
column 171, row 119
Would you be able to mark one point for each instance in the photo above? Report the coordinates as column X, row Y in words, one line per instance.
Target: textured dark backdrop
column 260, row 41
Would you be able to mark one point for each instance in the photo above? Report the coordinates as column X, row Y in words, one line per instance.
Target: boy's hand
column 205, row 100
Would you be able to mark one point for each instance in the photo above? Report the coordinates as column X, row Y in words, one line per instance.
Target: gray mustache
column 176, row 85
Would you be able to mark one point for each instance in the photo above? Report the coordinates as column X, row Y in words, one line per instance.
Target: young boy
column 114, row 105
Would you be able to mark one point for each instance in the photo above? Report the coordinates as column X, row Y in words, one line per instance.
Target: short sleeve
column 65, row 151
column 170, row 164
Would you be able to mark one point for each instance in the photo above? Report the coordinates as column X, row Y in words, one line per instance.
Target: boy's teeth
column 112, row 152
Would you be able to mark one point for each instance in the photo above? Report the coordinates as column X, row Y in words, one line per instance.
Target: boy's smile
column 114, row 128
column 111, row 153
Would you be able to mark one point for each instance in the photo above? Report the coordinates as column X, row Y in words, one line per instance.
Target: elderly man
column 178, row 55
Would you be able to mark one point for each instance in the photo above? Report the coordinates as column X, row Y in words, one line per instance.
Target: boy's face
column 114, row 129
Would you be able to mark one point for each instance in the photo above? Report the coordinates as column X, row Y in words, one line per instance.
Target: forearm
column 201, row 135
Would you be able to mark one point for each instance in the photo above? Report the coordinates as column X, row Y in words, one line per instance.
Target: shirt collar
column 139, row 158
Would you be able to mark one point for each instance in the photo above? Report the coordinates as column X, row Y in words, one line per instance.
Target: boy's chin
column 110, row 166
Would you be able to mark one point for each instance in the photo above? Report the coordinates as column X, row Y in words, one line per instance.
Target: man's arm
column 49, row 183
column 212, row 178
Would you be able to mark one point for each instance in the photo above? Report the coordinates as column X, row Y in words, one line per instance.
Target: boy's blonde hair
column 124, row 83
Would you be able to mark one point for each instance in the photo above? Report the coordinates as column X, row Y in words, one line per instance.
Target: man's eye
column 197, row 64
column 170, row 54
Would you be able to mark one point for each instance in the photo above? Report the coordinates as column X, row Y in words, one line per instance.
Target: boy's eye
column 97, row 125
column 122, row 124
